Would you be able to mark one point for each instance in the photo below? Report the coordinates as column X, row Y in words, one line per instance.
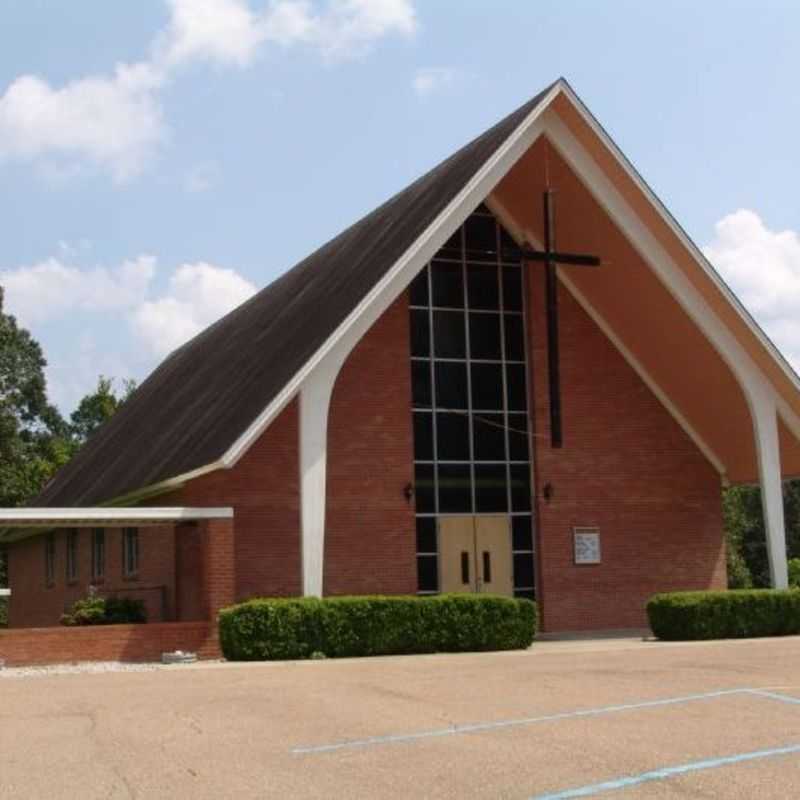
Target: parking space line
column 512, row 723
column 667, row 772
column 784, row 698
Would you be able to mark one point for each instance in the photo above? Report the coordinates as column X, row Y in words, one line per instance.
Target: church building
column 516, row 376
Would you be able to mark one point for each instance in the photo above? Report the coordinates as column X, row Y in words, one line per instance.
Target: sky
column 162, row 160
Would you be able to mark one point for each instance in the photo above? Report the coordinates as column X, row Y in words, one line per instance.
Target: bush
column 794, row 573
column 724, row 615
column 96, row 610
column 3, row 612
column 337, row 627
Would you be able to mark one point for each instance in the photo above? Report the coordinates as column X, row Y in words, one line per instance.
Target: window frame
column 513, row 362
column 131, row 556
column 50, row 560
column 71, row 557
column 98, row 555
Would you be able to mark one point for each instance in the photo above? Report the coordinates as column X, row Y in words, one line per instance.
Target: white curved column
column 315, row 401
column 765, row 425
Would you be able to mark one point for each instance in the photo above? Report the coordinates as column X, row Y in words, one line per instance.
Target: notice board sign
column 587, row 545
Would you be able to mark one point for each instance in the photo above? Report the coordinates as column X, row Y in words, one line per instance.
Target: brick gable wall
column 627, row 467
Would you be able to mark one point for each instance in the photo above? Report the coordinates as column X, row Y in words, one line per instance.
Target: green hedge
column 725, row 615
column 96, row 610
column 336, row 627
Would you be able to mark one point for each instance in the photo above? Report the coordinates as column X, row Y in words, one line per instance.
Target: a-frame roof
column 204, row 396
column 202, row 404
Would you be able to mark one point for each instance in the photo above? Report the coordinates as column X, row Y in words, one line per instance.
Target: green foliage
column 794, row 573
column 746, row 539
column 97, row 610
column 98, row 407
column 87, row 611
column 34, row 440
column 724, row 615
column 337, row 627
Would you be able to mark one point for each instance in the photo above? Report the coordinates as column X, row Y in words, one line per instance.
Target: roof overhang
column 19, row 523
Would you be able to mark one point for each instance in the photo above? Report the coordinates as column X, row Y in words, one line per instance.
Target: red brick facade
column 55, row 645
column 34, row 604
column 370, row 538
column 626, row 467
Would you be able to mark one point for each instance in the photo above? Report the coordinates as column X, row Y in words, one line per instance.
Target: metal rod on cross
column 550, row 257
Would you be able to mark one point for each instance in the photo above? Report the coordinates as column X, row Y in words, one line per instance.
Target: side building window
column 98, row 554
column 72, row 555
column 130, row 552
column 50, row 559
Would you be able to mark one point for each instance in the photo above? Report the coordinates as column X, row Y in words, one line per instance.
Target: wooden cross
column 550, row 257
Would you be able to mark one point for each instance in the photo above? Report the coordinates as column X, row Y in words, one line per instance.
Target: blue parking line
column 667, row 772
column 784, row 698
column 512, row 723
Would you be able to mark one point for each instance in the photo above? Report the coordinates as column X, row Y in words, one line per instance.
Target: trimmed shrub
column 724, row 615
column 794, row 573
column 338, row 627
column 97, row 610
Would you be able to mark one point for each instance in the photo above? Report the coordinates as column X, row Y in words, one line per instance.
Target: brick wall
column 370, row 455
column 263, row 490
column 370, row 539
column 106, row 643
column 33, row 604
column 626, row 467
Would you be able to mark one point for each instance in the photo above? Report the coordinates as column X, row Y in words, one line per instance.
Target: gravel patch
column 91, row 667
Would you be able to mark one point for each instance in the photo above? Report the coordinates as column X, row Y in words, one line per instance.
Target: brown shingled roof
column 205, row 395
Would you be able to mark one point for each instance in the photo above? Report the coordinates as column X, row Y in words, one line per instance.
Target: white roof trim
column 679, row 232
column 492, row 171
column 19, row 517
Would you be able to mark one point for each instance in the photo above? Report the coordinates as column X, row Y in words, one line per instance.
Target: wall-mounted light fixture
column 548, row 491
column 408, row 492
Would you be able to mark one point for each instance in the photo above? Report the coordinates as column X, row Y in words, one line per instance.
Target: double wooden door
column 475, row 555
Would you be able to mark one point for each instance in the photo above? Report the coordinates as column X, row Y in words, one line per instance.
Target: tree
column 98, row 407
column 746, row 536
column 34, row 439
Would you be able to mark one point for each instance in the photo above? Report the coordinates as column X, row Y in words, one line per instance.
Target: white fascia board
column 750, row 378
column 404, row 270
column 66, row 516
column 680, row 233
column 170, row 484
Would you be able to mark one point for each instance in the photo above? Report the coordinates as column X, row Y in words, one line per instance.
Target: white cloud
column 226, row 31
column 198, row 294
column 115, row 122
column 762, row 266
column 429, row 80
column 114, row 320
column 52, row 289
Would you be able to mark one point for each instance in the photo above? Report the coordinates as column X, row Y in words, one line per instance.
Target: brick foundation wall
column 627, row 467
column 106, row 643
column 370, row 538
column 33, row 604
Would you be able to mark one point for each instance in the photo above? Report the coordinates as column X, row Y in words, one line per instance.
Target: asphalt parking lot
column 603, row 718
